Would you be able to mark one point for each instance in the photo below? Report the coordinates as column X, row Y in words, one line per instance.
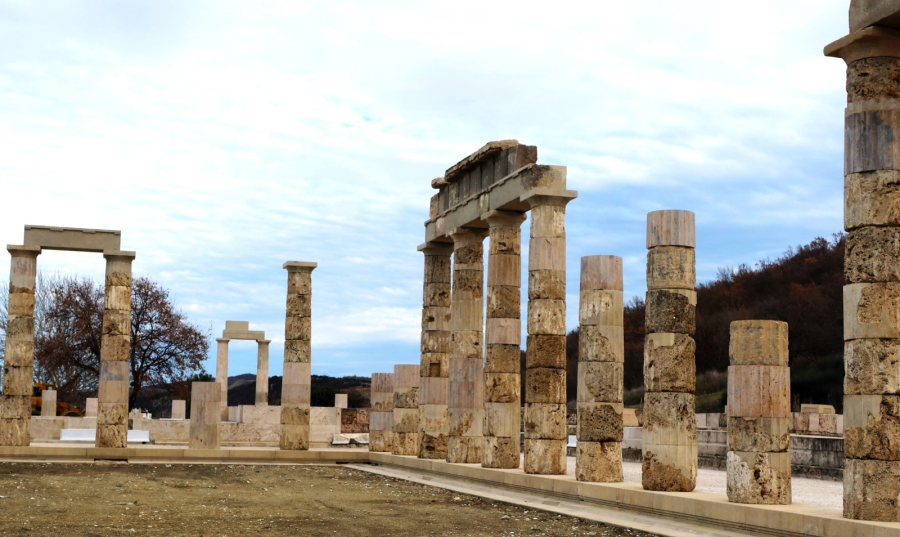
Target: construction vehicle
column 62, row 408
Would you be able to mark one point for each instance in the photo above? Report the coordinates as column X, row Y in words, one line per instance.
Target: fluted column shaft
column 262, row 372
column 296, row 387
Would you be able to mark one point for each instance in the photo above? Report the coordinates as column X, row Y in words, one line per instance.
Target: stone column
column 669, row 440
column 381, row 417
column 466, row 385
column 48, row 403
column 759, row 414
column 206, row 427
column 871, row 273
column 262, row 372
column 115, row 353
column 222, row 375
column 18, row 365
column 295, row 390
column 90, row 407
column 503, row 340
column 434, row 422
column 178, row 409
column 406, row 410
column 601, row 352
column 546, row 434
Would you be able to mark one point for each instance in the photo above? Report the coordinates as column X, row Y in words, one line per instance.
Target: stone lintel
column 237, row 326
column 251, row 335
column 299, row 266
column 73, row 239
column 23, row 251
column 871, row 42
column 865, row 13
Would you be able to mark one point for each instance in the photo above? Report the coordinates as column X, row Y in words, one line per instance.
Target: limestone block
column 382, row 402
column 503, row 301
column 600, row 382
column 629, row 418
column 502, row 419
column 468, row 249
column 436, row 342
column 547, row 253
column 813, row 422
column 115, row 371
column 503, row 359
column 601, row 272
column 759, row 391
column 295, row 393
column 406, row 420
column 759, row 434
column 298, row 328
column 466, row 344
column 205, row 435
column 547, row 317
column 599, row 422
column 872, row 199
column 14, row 432
column 466, row 393
column 817, row 409
column 670, row 412
column 113, row 391
column 117, row 322
column 601, row 344
column 545, row 457
column 546, row 284
column 436, row 294
column 598, row 462
column 406, row 398
column 299, row 283
column 504, row 270
column 871, row 490
column 758, row 343
column 17, row 380
column 296, row 373
column 383, row 383
column 111, row 436
column 505, row 240
column 671, row 227
column 545, row 421
column 435, row 318
column 381, row 441
column 432, row 446
column 294, row 415
column 434, row 365
column 91, row 407
column 120, row 279
column 21, row 304
column 669, row 468
column 503, row 332
column 178, row 409
column 545, row 385
column 672, row 311
column 20, row 328
column 381, row 421
column 115, row 348
column 671, row 267
column 298, row 306
column 468, row 285
column 545, row 351
column 19, row 353
column 502, row 387
column 437, row 268
column 872, row 254
column 872, row 311
column 433, row 391
column 872, row 427
column 828, row 423
column 872, row 366
column 869, row 140
column 295, row 437
column 548, row 221
column 16, row 407
column 434, row 418
column 464, row 449
column 500, row 453
column 601, row 307
column 405, row 443
column 669, row 363
column 118, row 297
column 758, row 478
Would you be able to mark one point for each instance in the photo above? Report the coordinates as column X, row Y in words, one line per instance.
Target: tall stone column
column 503, row 339
column 871, row 271
column 381, row 415
column 759, row 414
column 18, row 364
column 546, row 434
column 406, row 410
column 601, row 353
column 115, row 353
column 669, row 440
column 295, row 390
column 222, row 375
column 262, row 372
column 434, row 421
column 466, row 385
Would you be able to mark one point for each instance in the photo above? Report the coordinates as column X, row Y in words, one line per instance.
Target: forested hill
column 803, row 287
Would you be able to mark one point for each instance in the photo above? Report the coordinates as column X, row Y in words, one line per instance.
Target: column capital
column 222, row 340
column 498, row 218
column 467, row 234
column 299, row 266
column 436, row 248
column 263, row 341
column 871, row 42
column 537, row 197
column 119, row 255
column 23, row 251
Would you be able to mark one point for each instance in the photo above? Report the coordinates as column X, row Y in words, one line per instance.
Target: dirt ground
column 235, row 500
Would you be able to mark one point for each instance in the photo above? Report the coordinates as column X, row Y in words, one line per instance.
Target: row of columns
column 262, row 373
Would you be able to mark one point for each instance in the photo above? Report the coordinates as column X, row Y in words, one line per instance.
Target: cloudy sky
column 224, row 138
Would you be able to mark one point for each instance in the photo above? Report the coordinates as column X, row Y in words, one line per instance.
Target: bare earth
column 163, row 499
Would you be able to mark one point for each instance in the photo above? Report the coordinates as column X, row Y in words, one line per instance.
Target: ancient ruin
column 601, row 354
column 206, row 427
column 381, row 415
column 240, row 330
column 405, row 438
column 295, row 384
column 759, row 397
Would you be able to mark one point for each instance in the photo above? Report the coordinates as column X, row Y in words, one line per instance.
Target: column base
column 464, row 449
column 431, row 446
column 758, row 478
column 545, row 457
column 871, row 490
column 405, row 443
column 599, row 462
column 14, row 433
column 499, row 452
column 669, row 468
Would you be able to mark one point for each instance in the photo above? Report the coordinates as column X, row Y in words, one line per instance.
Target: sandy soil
column 233, row 500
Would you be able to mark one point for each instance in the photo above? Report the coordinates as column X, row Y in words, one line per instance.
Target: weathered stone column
column 434, row 421
column 871, row 270
column 669, row 440
column 206, row 427
column 18, row 365
column 262, row 372
column 381, row 417
column 601, row 353
column 295, row 390
column 48, row 403
column 222, row 375
column 503, row 340
column 406, row 410
column 546, row 434
column 115, row 353
column 759, row 414
column 466, row 378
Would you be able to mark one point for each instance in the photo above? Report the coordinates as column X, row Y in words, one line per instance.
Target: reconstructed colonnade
column 240, row 330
